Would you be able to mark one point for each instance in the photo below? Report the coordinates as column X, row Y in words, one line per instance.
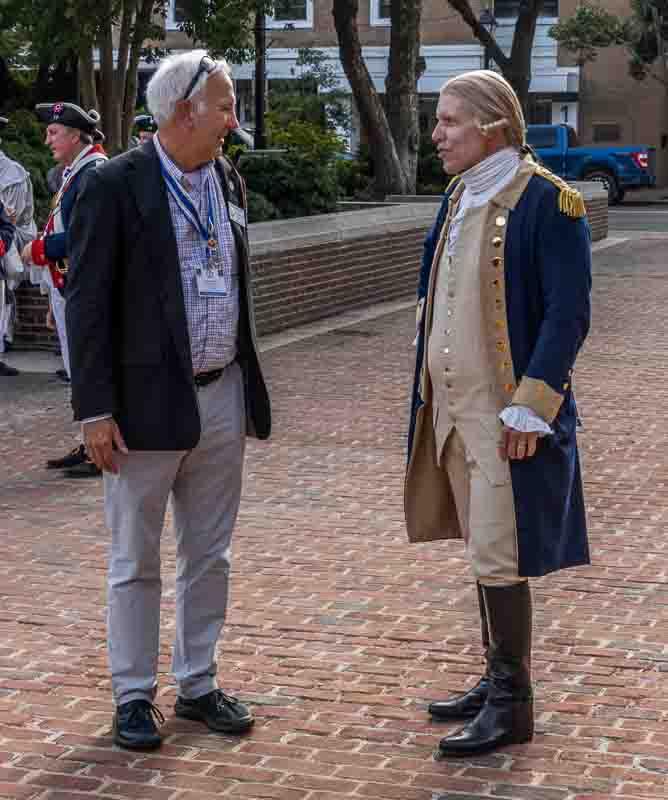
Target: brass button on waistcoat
column 500, row 222
column 497, row 241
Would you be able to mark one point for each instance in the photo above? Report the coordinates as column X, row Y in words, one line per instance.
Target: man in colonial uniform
column 503, row 309
column 17, row 197
column 75, row 143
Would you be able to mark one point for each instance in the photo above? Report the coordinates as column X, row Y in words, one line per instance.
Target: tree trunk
column 142, row 24
column 516, row 69
column 110, row 119
column 401, row 85
column 87, row 85
column 388, row 173
column 128, row 11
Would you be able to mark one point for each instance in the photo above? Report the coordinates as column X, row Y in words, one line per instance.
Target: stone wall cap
column 294, row 234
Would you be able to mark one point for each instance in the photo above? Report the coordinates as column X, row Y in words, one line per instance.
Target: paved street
column 634, row 217
column 340, row 632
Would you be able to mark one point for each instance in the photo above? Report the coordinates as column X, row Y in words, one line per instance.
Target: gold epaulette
column 571, row 202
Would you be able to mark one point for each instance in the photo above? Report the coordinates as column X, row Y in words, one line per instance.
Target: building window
column 539, row 111
column 379, row 12
column 607, row 132
column 176, row 14
column 293, row 13
column 510, row 8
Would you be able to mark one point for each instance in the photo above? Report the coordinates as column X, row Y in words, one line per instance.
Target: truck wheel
column 609, row 181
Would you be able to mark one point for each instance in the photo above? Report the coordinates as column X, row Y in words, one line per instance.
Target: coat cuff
column 540, row 397
column 38, row 253
column 2, row 248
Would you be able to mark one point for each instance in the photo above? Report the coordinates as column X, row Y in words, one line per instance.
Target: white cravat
column 482, row 182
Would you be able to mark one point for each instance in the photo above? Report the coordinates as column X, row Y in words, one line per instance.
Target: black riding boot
column 469, row 704
column 507, row 715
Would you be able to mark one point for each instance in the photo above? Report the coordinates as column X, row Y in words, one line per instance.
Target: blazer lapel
column 148, row 187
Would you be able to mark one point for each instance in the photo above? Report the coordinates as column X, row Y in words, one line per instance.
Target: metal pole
column 260, row 74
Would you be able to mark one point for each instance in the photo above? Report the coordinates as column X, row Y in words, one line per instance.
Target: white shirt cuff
column 523, row 419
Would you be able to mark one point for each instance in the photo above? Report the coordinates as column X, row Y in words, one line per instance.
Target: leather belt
column 205, row 378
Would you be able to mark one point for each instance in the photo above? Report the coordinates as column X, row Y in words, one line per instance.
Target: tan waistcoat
column 462, row 377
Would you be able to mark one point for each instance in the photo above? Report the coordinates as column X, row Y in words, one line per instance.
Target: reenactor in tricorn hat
column 75, row 143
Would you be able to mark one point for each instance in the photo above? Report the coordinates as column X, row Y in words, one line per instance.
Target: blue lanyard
column 207, row 232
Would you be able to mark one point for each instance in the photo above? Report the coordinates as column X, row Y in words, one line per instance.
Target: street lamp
column 489, row 23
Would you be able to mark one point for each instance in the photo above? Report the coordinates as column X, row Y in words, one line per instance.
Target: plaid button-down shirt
column 212, row 321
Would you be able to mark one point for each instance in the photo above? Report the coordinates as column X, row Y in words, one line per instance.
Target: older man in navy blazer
column 167, row 383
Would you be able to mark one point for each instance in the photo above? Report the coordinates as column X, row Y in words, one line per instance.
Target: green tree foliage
column 648, row 30
column 312, row 95
column 592, row 28
column 224, row 27
column 294, row 184
column 589, row 30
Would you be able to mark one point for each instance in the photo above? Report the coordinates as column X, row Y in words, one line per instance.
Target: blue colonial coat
column 536, row 250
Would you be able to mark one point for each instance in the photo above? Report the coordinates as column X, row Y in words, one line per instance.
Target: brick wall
column 31, row 333
column 302, row 286
column 597, row 213
column 305, row 269
column 310, row 268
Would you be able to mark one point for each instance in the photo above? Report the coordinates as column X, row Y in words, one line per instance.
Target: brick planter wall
column 308, row 284
column 31, row 332
column 310, row 268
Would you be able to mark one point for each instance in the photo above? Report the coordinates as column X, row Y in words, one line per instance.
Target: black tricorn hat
column 68, row 114
column 3, row 121
column 145, row 122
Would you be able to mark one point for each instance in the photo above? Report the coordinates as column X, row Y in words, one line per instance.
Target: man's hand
column 50, row 321
column 26, row 254
column 517, row 445
column 100, row 438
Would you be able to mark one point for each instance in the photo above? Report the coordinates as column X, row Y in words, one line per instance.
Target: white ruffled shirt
column 482, row 182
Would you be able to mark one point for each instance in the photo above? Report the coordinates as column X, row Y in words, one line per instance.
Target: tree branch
column 463, row 7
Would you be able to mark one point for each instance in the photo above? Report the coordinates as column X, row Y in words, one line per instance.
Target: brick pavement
column 340, row 632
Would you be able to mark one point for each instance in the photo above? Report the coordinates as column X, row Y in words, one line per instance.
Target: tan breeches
column 486, row 515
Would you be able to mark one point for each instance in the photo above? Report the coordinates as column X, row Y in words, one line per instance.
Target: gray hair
column 171, row 80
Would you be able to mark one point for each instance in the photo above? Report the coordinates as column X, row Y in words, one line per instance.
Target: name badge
column 212, row 283
column 237, row 214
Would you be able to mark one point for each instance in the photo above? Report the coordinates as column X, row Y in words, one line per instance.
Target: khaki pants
column 486, row 515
